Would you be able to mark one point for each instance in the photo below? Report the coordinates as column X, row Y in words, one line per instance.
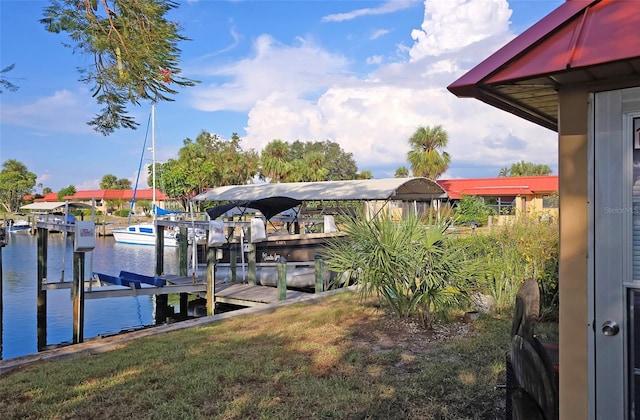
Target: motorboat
column 17, row 226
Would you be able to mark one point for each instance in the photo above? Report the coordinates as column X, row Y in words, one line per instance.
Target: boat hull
column 284, row 248
column 142, row 234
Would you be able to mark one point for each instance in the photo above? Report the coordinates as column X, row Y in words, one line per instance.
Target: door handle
column 610, row 328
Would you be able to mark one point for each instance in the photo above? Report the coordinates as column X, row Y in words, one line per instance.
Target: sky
column 364, row 74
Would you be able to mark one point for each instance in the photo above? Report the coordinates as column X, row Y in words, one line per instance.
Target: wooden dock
column 243, row 294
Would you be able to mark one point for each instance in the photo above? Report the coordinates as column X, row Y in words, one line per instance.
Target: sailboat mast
column 153, row 157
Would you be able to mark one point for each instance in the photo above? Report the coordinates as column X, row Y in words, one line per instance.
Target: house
column 508, row 196
column 107, row 201
column 577, row 72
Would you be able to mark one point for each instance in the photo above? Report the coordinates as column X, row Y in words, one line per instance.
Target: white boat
column 145, row 233
column 18, row 226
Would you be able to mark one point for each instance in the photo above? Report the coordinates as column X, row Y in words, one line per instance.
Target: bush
column 472, row 209
column 508, row 255
column 410, row 266
column 121, row 213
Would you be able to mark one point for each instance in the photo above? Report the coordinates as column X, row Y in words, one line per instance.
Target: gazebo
column 577, row 71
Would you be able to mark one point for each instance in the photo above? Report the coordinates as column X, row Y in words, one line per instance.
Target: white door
column 615, row 343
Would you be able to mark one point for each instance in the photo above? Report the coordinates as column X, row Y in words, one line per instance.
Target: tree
column 401, row 172
column 523, row 168
column 134, row 48
column 306, row 161
column 15, row 182
column 427, row 157
column 108, row 181
column 207, row 162
column 366, row 174
column 111, row 182
column 339, row 164
column 6, row 84
column 275, row 160
column 65, row 192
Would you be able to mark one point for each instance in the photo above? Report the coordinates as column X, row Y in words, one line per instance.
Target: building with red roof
column 508, row 195
column 107, row 201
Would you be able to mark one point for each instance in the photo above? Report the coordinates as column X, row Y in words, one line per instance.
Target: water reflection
column 102, row 316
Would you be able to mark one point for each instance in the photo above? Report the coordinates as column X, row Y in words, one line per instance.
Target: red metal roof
column 506, row 186
column 125, row 195
column 47, row 198
column 581, row 42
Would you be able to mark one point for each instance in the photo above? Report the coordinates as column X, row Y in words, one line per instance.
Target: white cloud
column 453, row 24
column 374, row 59
column 388, row 6
column 63, row 111
column 302, row 69
column 374, row 116
column 379, row 33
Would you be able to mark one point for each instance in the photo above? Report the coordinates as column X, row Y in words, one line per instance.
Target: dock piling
column 282, row 280
column 78, row 297
column 319, row 271
column 43, row 237
column 211, row 281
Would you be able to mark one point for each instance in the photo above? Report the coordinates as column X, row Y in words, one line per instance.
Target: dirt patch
column 390, row 332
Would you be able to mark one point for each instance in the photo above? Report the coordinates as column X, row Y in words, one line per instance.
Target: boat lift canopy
column 405, row 189
column 269, row 207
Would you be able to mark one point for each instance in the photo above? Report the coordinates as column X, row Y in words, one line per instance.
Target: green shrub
column 411, row 266
column 508, row 255
column 121, row 213
column 472, row 208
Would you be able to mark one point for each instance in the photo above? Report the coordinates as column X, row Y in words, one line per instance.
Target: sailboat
column 145, row 233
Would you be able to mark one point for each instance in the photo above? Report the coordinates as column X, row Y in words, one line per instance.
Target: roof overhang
column 592, row 45
column 56, row 205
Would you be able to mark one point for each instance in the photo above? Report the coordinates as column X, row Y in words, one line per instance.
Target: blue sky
column 364, row 74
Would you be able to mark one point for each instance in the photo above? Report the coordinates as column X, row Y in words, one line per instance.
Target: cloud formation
column 373, row 116
column 390, row 6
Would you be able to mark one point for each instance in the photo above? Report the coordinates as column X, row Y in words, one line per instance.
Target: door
column 615, row 341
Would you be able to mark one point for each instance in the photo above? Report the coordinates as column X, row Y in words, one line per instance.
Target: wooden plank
column 248, row 295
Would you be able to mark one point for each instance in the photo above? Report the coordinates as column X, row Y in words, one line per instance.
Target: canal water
column 102, row 316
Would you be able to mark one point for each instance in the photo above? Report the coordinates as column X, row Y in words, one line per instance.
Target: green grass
column 340, row 358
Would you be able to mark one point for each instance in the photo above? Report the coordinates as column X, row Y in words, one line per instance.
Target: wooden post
column 252, row 264
column 183, row 261
column 233, row 262
column 319, row 267
column 78, row 297
column 162, row 301
column 282, row 280
column 183, row 252
column 43, row 237
column 211, row 281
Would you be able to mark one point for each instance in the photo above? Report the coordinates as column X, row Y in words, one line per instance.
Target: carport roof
column 408, row 189
column 51, row 206
column 581, row 43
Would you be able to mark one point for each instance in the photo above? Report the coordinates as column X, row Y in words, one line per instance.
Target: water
column 102, row 316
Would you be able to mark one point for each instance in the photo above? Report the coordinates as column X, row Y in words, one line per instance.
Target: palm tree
column 274, row 160
column 426, row 156
column 402, row 172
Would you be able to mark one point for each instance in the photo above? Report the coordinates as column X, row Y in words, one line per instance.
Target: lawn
column 338, row 358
